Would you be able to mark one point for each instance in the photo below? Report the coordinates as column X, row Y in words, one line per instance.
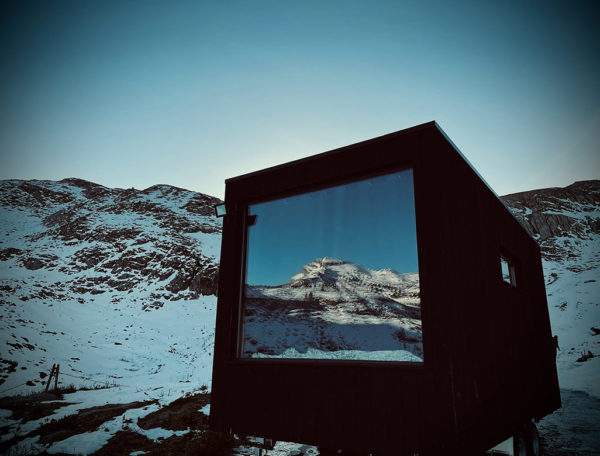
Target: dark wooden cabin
column 488, row 354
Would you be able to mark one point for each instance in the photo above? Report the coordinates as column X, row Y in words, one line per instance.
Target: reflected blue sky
column 369, row 222
column 135, row 93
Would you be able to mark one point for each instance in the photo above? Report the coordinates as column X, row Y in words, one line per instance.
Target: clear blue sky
column 370, row 223
column 190, row 93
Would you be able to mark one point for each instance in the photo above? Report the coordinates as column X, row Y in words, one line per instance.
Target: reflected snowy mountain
column 336, row 309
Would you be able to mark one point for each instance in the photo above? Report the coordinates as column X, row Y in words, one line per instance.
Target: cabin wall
column 499, row 340
column 488, row 362
column 364, row 405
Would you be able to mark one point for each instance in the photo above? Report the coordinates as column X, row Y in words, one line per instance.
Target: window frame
column 244, row 210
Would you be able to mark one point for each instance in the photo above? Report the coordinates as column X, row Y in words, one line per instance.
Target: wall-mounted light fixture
column 220, row 210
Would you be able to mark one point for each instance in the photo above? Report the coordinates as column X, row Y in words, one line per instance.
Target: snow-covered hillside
column 566, row 223
column 118, row 285
column 334, row 308
column 115, row 285
column 89, row 274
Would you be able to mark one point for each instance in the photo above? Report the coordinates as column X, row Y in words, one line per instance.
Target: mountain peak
column 80, row 182
column 327, row 261
column 165, row 189
column 324, row 269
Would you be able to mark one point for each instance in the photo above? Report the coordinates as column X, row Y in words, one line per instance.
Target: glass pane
column 333, row 274
column 507, row 271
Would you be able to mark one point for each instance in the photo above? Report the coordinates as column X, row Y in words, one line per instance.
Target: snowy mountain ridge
column 337, row 281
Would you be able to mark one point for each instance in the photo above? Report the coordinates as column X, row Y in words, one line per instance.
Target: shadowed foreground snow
column 575, row 428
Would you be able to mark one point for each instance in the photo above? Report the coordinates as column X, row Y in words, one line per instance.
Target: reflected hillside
column 336, row 309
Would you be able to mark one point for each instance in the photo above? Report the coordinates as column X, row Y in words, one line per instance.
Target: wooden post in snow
column 50, row 376
column 56, row 377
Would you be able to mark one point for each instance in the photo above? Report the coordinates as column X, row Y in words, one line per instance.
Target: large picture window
column 333, row 274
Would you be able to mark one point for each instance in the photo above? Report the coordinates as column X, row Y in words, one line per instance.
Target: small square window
column 507, row 268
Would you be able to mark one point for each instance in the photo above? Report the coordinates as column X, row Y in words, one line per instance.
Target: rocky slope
column 334, row 308
column 88, row 275
column 551, row 214
column 566, row 223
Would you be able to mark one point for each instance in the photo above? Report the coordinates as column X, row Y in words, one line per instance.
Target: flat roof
column 366, row 142
column 431, row 125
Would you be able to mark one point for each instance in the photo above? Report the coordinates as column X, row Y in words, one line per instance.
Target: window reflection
column 333, row 274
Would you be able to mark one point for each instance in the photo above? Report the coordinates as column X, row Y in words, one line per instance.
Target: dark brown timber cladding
column 489, row 361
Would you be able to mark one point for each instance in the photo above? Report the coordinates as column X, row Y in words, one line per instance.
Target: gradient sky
column 190, row 93
column 370, row 223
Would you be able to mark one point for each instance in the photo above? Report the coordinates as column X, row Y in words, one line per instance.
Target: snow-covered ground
column 573, row 430
column 115, row 344
column 574, row 302
column 89, row 442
